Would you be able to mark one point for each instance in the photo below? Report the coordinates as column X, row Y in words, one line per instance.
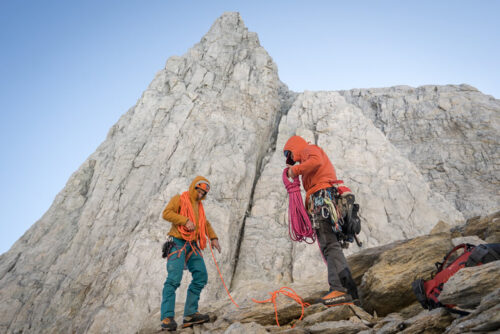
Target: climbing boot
column 334, row 298
column 169, row 324
column 194, row 319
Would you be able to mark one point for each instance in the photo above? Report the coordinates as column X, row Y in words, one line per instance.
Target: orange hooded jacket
column 316, row 169
column 171, row 211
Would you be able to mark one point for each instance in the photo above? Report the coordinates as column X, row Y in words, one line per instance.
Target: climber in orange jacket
column 189, row 233
column 318, row 178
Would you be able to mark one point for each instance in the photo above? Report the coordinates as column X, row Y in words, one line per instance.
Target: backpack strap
column 441, row 265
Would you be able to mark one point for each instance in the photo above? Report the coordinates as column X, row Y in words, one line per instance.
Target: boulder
column 343, row 312
column 295, row 330
column 470, row 239
column 441, row 227
column 487, row 227
column 411, row 311
column 486, row 318
column 252, row 327
column 427, row 322
column 434, row 321
column 389, row 324
column 469, row 285
column 264, row 314
column 360, row 262
column 386, row 286
column 337, row 327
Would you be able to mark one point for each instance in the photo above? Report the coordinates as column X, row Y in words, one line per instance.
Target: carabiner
column 325, row 213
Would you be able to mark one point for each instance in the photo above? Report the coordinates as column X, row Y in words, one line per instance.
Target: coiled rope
column 299, row 225
column 190, row 236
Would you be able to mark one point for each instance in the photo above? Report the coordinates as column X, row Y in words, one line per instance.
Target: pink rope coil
column 299, row 225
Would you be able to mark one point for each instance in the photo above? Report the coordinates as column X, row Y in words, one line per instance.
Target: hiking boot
column 194, row 319
column 334, row 298
column 169, row 324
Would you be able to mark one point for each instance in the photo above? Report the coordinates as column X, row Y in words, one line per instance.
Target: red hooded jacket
column 316, row 169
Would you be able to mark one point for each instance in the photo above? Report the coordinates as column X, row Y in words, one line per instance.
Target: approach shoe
column 169, row 324
column 195, row 319
column 334, row 298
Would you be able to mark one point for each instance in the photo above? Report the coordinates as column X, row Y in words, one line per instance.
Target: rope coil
column 299, row 225
column 201, row 240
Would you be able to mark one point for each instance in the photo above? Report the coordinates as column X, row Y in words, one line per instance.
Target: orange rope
column 220, row 274
column 290, row 294
column 189, row 236
column 187, row 211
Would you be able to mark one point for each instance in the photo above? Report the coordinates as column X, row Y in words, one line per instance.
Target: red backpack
column 428, row 292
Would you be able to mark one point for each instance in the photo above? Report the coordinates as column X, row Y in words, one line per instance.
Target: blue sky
column 70, row 69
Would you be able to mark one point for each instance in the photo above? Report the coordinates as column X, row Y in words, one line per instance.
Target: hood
column 295, row 144
column 192, row 190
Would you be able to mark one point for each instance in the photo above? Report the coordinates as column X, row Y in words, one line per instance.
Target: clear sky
column 70, row 69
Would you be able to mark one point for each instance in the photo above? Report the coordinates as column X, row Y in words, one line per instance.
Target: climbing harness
column 299, row 225
column 290, row 293
column 336, row 204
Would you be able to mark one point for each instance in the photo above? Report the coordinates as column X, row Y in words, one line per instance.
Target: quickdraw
column 334, row 216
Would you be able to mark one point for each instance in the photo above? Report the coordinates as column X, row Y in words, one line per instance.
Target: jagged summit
column 221, row 111
column 230, row 29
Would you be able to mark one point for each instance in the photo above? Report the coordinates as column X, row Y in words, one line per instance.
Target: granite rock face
column 450, row 133
column 221, row 111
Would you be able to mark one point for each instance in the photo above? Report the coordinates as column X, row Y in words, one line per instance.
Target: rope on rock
column 290, row 294
column 299, row 225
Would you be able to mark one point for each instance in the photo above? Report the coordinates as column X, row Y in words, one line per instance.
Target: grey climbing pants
column 339, row 275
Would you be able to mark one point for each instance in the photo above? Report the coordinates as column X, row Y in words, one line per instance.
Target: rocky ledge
column 388, row 305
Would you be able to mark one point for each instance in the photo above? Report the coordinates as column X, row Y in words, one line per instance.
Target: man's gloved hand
column 215, row 244
column 290, row 172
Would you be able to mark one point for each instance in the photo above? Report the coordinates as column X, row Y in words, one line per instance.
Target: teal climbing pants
column 175, row 267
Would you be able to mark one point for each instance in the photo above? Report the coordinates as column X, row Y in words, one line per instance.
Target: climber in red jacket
column 318, row 178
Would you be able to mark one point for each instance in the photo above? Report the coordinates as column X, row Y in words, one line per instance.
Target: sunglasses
column 203, row 191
